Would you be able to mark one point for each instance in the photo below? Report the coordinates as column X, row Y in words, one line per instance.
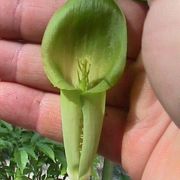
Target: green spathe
column 84, row 52
column 82, row 116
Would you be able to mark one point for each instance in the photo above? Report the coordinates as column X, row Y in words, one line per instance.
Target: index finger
column 27, row 20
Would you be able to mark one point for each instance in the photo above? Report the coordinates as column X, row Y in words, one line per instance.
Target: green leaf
column 5, row 144
column 30, row 150
column 46, row 150
column 63, row 170
column 19, row 176
column 60, row 156
column 6, row 125
column 35, row 138
column 3, row 131
column 21, row 158
column 26, row 137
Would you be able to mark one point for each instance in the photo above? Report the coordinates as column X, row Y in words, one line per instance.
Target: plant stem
column 107, row 170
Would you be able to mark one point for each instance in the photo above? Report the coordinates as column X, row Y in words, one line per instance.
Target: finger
column 135, row 15
column 22, row 63
column 39, row 111
column 161, row 42
column 27, row 20
column 30, row 109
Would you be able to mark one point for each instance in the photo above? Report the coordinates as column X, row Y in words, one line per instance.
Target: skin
column 137, row 131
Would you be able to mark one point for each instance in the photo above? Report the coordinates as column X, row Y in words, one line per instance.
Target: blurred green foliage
column 25, row 155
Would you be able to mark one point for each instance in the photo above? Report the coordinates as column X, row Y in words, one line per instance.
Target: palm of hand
column 137, row 131
column 149, row 139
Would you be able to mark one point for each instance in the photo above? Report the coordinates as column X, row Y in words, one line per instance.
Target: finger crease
column 15, row 60
column 33, row 110
column 17, row 21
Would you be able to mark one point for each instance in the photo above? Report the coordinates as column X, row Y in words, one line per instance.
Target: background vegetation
column 27, row 155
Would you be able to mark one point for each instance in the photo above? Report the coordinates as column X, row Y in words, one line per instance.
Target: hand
column 137, row 131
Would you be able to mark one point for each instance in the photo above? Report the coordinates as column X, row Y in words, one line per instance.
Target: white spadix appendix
column 84, row 53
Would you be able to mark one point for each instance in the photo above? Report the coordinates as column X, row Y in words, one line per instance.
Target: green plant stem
column 107, row 170
column 142, row 1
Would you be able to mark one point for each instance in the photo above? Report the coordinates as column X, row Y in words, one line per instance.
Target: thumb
column 161, row 53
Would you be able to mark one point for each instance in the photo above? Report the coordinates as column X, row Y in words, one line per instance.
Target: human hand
column 135, row 125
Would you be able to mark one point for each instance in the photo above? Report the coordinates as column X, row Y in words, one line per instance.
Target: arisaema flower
column 84, row 52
